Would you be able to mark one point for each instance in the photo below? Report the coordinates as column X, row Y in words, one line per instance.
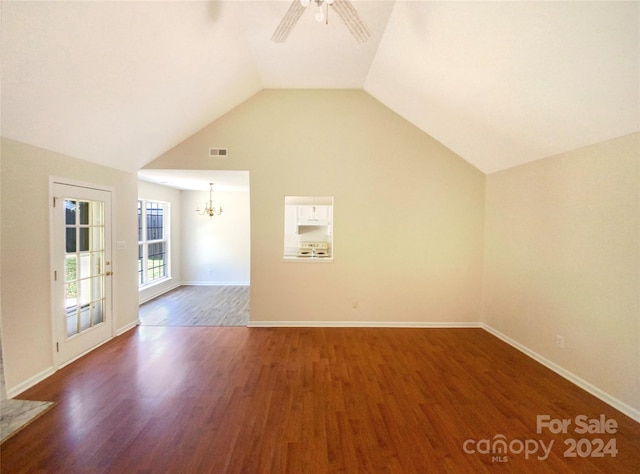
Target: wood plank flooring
column 308, row 400
column 198, row 306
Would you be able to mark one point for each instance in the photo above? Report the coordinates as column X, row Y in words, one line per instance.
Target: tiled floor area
column 198, row 306
column 16, row 414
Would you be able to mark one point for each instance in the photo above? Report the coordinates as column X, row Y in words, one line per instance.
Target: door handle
column 109, row 273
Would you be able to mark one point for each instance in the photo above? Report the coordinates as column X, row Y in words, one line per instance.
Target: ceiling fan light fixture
column 343, row 8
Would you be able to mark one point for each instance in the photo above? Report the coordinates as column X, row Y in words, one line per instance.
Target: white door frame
column 109, row 330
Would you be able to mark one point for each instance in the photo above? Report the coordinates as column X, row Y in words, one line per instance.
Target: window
column 153, row 241
column 308, row 228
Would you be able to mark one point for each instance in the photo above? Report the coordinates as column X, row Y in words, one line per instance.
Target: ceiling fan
column 343, row 8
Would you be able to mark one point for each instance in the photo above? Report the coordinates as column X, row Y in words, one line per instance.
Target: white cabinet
column 314, row 215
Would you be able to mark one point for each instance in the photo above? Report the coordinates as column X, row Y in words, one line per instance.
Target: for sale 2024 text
column 582, row 425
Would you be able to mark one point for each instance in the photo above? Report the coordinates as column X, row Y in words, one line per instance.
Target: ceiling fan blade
column 288, row 22
column 352, row 20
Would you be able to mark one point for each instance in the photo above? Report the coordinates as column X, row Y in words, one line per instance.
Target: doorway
column 81, row 269
column 210, row 254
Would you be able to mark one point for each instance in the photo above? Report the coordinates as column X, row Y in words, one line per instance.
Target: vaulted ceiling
column 500, row 83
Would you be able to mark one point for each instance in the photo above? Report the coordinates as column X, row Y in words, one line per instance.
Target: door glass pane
column 97, row 213
column 71, row 268
column 96, row 263
column 84, row 265
column 71, row 239
column 71, row 294
column 85, row 318
column 72, row 324
column 96, row 313
column 96, row 286
column 70, row 212
column 84, row 212
column 97, row 243
column 85, row 292
column 84, row 238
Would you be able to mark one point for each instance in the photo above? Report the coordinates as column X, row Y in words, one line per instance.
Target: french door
column 81, row 260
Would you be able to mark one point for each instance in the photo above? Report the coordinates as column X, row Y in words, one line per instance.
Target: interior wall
column 3, row 386
column 172, row 196
column 408, row 212
column 3, row 389
column 216, row 250
column 25, row 261
column 563, row 259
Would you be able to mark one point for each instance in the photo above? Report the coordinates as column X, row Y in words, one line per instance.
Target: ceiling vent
column 218, row 152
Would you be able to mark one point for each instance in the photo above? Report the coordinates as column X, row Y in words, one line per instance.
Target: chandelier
column 320, row 13
column 209, row 210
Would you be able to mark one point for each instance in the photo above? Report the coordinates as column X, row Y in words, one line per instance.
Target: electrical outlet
column 560, row 341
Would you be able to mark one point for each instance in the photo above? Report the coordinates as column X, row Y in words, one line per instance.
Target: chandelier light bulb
column 305, row 2
column 329, row 2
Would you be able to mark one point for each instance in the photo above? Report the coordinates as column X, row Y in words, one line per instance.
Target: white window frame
column 145, row 242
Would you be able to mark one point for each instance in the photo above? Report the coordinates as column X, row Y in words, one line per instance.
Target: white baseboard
column 30, row 382
column 361, row 324
column 215, row 283
column 571, row 377
column 161, row 290
column 39, row 377
column 128, row 327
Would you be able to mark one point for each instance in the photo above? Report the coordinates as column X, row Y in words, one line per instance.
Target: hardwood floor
column 198, row 306
column 309, row 400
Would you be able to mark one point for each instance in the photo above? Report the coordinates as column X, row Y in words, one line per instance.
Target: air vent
column 219, row 152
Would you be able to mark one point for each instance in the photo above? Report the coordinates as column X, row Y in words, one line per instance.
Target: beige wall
column 172, row 196
column 408, row 212
column 25, row 264
column 216, row 250
column 562, row 258
column 3, row 387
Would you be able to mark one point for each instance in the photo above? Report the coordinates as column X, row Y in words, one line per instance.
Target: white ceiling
column 500, row 83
